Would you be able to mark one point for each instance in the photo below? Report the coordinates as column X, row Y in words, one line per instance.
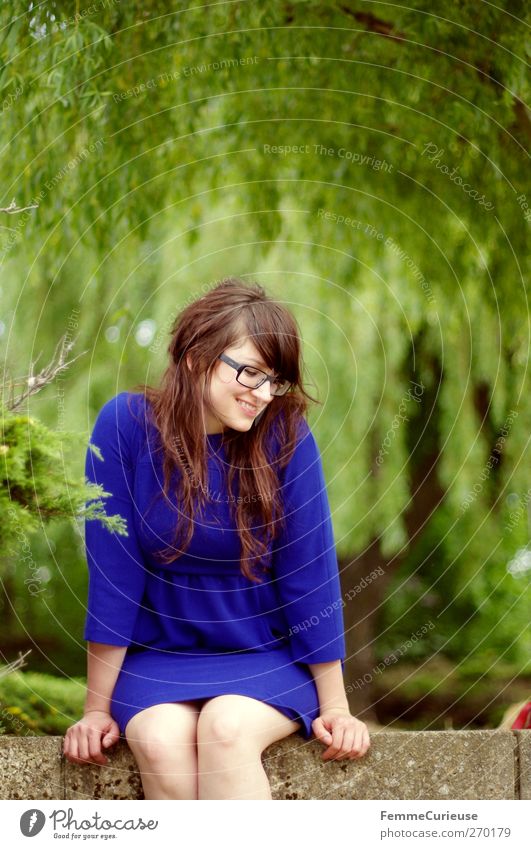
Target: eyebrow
column 261, row 364
column 256, row 362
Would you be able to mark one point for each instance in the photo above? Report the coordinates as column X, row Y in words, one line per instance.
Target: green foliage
column 480, row 609
column 37, row 486
column 32, row 703
column 145, row 135
column 441, row 694
column 44, row 600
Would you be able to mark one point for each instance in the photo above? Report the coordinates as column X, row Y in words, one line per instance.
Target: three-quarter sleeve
column 304, row 562
column 117, row 573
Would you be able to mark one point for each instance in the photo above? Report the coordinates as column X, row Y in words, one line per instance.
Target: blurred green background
column 368, row 168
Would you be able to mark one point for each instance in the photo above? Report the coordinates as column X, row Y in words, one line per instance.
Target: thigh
column 233, row 717
column 158, row 728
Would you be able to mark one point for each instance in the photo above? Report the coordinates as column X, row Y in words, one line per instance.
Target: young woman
column 215, row 627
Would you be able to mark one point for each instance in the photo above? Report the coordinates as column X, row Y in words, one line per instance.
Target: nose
column 263, row 392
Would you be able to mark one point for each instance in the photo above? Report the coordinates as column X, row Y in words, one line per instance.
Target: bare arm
column 103, row 666
column 344, row 734
column 329, row 684
column 84, row 740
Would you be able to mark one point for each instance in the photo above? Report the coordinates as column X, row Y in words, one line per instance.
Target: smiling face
column 229, row 404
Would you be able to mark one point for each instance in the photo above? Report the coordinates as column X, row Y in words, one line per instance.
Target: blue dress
column 197, row 628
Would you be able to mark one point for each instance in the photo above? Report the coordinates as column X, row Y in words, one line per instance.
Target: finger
column 361, row 745
column 74, row 753
column 321, row 732
column 366, row 741
column 349, row 739
column 92, row 735
column 337, row 743
column 112, row 735
column 94, row 746
column 73, row 750
column 338, row 731
column 82, row 745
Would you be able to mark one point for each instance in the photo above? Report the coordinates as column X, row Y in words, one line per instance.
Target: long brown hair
column 202, row 331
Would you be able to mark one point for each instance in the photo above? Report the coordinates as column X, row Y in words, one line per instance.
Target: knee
column 219, row 727
column 158, row 745
column 222, row 734
column 148, row 745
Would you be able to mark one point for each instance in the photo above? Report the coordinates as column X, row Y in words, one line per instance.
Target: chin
column 242, row 427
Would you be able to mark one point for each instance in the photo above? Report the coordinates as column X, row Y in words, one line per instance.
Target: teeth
column 248, row 406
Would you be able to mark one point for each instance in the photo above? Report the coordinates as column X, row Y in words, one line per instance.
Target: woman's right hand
column 83, row 741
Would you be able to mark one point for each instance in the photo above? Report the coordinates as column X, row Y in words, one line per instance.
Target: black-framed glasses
column 252, row 377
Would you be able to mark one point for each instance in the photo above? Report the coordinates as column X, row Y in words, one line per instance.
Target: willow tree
column 383, row 149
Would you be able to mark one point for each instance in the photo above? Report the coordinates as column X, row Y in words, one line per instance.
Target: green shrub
column 33, row 703
column 439, row 694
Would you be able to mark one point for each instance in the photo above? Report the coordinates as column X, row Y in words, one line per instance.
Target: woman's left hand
column 345, row 736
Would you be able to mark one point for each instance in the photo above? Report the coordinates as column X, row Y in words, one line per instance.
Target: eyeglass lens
column 252, row 378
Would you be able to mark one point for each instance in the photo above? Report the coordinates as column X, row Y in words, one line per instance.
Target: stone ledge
column 399, row 765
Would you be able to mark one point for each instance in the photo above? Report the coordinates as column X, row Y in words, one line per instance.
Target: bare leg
column 163, row 739
column 232, row 732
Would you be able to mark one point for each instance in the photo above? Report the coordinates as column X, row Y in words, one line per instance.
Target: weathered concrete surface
column 399, row 765
column 524, row 762
column 119, row 779
column 31, row 768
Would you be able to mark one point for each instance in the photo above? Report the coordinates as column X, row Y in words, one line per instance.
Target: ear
column 188, row 362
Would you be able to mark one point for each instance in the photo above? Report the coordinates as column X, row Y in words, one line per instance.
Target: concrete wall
column 399, row 765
